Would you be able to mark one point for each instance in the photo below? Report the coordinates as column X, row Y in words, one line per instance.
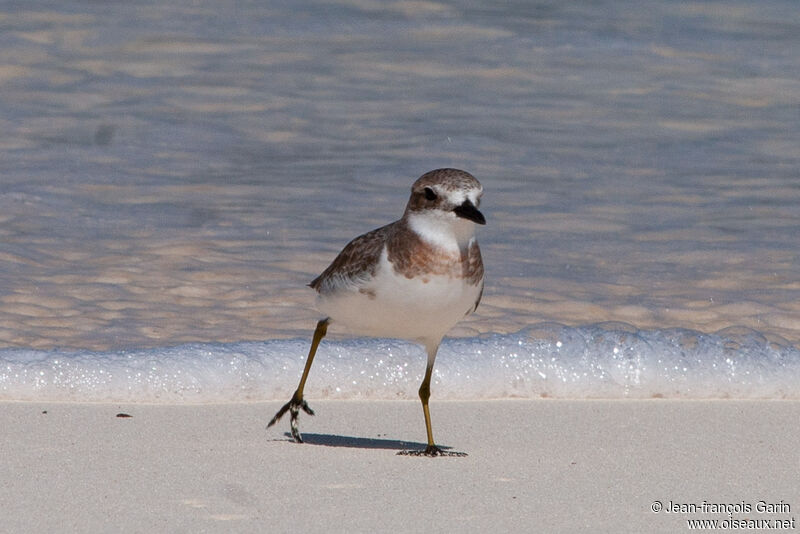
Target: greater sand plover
column 412, row 279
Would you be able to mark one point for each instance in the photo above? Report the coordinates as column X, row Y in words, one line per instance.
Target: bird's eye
column 430, row 194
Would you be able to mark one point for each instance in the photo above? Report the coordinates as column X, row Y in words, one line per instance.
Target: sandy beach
column 173, row 174
column 532, row 466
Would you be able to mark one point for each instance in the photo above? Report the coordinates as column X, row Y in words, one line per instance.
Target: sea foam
column 611, row 361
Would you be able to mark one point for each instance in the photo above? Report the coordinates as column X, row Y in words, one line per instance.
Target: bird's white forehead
column 457, row 196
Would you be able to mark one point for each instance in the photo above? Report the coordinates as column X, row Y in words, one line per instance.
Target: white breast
column 391, row 305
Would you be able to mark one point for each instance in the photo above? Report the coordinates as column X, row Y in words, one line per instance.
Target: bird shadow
column 332, row 440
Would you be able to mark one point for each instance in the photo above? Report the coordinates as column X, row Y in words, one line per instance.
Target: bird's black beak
column 467, row 210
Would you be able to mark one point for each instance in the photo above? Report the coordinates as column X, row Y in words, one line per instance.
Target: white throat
column 442, row 229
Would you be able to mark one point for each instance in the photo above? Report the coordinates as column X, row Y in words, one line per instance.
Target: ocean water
column 171, row 176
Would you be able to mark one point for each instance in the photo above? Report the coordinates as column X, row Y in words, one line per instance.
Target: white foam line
column 543, row 361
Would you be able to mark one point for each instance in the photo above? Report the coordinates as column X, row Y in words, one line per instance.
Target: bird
column 412, row 279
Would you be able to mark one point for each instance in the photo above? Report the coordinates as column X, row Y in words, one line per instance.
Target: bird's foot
column 432, row 451
column 293, row 407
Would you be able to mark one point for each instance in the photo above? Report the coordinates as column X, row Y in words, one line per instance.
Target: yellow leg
column 319, row 333
column 424, row 395
column 296, row 402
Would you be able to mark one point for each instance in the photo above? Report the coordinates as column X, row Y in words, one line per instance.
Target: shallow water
column 177, row 173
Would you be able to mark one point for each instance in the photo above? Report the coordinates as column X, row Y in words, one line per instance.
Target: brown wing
column 473, row 266
column 357, row 260
column 474, row 270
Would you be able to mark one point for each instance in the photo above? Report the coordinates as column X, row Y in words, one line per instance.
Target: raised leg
column 296, row 402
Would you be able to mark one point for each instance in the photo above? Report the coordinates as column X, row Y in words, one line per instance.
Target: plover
column 413, row 279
